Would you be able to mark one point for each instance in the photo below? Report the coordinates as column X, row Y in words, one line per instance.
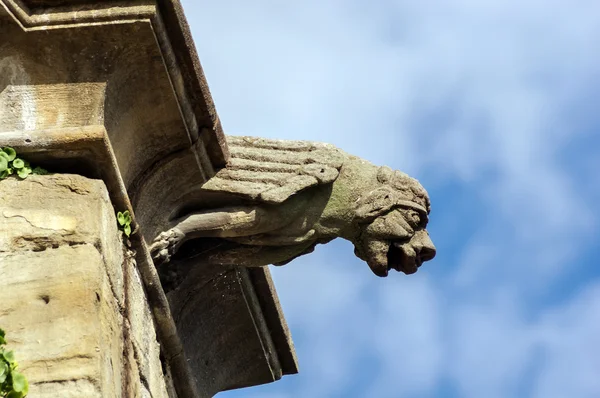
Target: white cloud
column 409, row 338
column 350, row 309
column 570, row 337
column 490, row 347
column 469, row 96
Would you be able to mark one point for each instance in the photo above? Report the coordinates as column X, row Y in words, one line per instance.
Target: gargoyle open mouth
column 407, row 258
column 399, row 259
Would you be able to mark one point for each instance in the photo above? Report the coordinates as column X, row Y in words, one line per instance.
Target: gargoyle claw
column 165, row 245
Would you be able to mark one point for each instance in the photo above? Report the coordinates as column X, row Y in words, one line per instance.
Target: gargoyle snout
column 424, row 247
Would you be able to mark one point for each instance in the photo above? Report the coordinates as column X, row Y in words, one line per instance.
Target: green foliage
column 11, row 164
column 12, row 383
column 124, row 220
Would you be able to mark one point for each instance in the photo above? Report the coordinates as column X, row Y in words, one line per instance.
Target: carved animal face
column 396, row 240
column 391, row 221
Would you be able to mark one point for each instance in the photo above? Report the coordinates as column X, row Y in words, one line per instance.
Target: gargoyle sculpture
column 276, row 200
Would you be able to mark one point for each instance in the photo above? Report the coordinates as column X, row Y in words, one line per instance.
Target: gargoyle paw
column 166, row 245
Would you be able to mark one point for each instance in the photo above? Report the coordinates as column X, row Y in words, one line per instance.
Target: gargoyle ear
column 375, row 203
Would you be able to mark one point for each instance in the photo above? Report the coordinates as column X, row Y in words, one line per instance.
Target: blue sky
column 493, row 106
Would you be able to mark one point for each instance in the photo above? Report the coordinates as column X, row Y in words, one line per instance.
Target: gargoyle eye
column 414, row 218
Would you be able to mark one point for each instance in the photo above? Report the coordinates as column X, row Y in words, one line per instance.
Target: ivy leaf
column 121, row 218
column 5, row 156
column 127, row 230
column 10, row 152
column 24, row 172
column 14, row 394
column 2, row 333
column 3, row 371
column 20, row 383
column 9, row 356
column 127, row 217
column 3, row 164
column 18, row 163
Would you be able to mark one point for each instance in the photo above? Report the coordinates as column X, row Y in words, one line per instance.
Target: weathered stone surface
column 243, row 351
column 276, row 200
column 128, row 66
column 146, row 349
column 58, row 311
column 36, row 107
column 45, row 212
column 60, row 256
column 114, row 90
column 65, row 291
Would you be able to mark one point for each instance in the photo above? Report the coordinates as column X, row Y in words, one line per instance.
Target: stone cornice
column 173, row 37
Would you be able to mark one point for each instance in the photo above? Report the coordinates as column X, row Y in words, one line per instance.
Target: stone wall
column 71, row 300
column 115, row 90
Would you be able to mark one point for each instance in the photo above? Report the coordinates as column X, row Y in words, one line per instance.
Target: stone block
column 62, row 294
column 72, row 305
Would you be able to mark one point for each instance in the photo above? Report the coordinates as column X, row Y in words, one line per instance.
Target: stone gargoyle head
column 276, row 200
column 390, row 223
